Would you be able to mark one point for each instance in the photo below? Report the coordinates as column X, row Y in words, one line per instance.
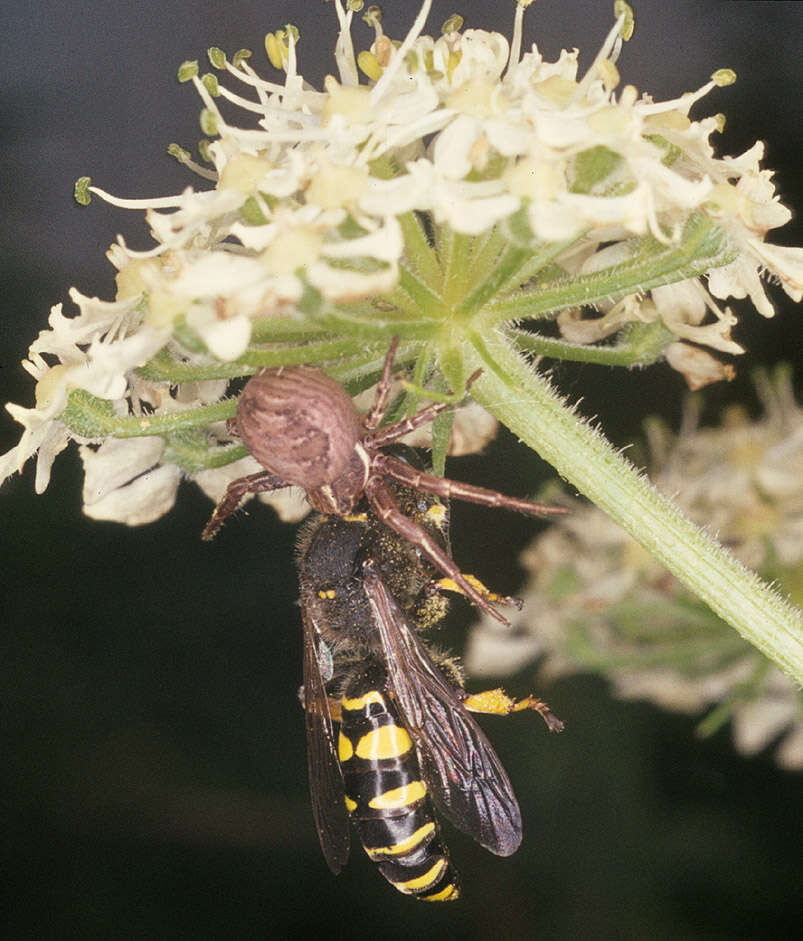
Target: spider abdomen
column 299, row 424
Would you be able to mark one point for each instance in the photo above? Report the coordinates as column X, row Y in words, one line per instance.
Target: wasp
column 406, row 743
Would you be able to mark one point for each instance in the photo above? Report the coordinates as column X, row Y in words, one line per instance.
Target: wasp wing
column 470, row 786
column 325, row 778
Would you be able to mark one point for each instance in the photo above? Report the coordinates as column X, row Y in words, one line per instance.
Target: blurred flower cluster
column 596, row 601
column 439, row 189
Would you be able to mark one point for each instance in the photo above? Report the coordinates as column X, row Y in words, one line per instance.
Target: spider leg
column 377, row 410
column 381, row 500
column 391, row 432
column 455, row 489
column 423, row 417
column 260, row 482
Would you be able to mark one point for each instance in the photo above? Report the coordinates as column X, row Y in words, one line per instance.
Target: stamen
column 518, row 27
column 184, row 158
column 82, row 187
column 397, row 61
column 610, row 48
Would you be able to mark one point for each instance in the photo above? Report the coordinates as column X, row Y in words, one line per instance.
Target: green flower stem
column 284, row 330
column 539, row 265
column 191, row 451
column 417, row 248
column 296, row 355
column 485, row 254
column 702, row 247
column 163, row 368
column 90, row 417
column 417, row 297
column 455, row 251
column 507, row 267
column 374, row 327
column 640, row 344
column 527, row 404
column 360, row 372
column 420, row 253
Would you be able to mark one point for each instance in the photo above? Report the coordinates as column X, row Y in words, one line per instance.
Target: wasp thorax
column 299, row 424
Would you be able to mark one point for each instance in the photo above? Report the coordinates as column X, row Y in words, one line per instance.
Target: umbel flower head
column 460, row 193
column 437, row 188
column 599, row 603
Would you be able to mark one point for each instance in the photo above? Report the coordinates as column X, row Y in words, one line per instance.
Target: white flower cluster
column 598, row 602
column 463, row 129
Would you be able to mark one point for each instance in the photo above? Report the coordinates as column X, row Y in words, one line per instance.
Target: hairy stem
column 528, row 405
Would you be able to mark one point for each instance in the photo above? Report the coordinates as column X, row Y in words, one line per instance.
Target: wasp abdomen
column 386, row 794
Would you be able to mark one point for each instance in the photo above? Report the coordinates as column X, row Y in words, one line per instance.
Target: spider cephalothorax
column 304, row 430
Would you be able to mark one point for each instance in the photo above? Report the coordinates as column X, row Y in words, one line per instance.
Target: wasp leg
column 497, row 702
column 335, row 710
column 449, row 584
column 261, row 482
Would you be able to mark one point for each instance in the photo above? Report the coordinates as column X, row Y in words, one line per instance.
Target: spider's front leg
column 260, row 482
column 382, row 502
column 377, row 411
column 456, row 490
column 390, row 433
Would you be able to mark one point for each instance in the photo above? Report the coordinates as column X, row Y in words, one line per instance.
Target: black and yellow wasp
column 406, row 742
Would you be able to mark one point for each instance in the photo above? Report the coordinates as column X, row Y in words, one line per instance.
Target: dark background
column 153, row 755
